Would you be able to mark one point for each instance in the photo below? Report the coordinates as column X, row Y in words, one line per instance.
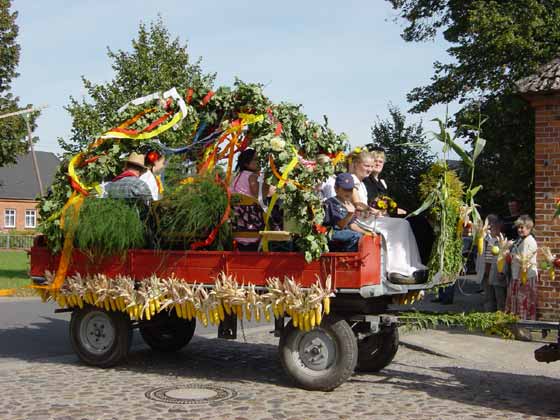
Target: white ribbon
column 171, row 93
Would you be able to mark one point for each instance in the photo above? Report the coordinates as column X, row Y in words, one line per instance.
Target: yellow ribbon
column 280, row 185
column 248, row 119
column 144, row 136
column 76, row 200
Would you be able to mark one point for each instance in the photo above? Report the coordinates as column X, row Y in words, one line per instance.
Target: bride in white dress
column 403, row 258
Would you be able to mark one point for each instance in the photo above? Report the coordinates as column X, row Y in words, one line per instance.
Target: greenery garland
column 492, row 323
column 283, row 133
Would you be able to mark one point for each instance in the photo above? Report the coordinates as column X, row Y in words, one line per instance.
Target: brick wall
column 20, row 207
column 547, row 188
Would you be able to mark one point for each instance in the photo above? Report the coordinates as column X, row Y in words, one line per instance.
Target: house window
column 10, row 218
column 30, row 218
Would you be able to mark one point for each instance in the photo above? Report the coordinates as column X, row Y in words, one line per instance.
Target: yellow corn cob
column 312, row 318
column 80, row 302
column 257, row 314
column 247, row 308
column 500, row 264
column 480, row 244
column 227, row 307
column 552, row 274
column 221, row 313
column 185, row 310
column 152, row 306
column 148, row 313
column 156, row 304
column 239, row 311
column 327, row 305
column 295, row 319
column 267, row 314
column 281, row 309
column 523, row 277
column 178, row 310
column 306, row 321
column 275, row 310
column 61, row 300
column 318, row 314
column 204, row 318
column 460, row 227
column 112, row 304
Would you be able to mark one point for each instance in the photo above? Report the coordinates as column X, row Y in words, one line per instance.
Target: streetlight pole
column 25, row 114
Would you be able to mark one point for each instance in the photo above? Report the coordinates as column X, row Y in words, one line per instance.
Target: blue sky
column 345, row 60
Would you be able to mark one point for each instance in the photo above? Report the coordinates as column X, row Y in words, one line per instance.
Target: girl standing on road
column 522, row 289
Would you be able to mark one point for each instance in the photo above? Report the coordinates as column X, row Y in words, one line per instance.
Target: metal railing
column 16, row 241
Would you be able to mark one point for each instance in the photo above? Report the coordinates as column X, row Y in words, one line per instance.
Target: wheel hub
column 96, row 332
column 317, row 350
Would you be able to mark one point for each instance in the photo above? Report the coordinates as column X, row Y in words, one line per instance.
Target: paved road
column 40, row 380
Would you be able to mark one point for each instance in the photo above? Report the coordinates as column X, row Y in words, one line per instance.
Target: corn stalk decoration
column 452, row 210
column 279, row 298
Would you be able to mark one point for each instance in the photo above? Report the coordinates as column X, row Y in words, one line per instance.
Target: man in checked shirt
column 128, row 185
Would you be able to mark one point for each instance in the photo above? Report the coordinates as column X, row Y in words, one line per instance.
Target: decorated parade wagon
column 165, row 267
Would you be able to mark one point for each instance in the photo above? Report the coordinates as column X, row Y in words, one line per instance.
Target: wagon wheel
column 320, row 359
column 167, row 332
column 377, row 351
column 100, row 338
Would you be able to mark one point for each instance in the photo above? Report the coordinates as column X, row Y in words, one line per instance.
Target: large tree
column 156, row 63
column 493, row 45
column 408, row 156
column 12, row 129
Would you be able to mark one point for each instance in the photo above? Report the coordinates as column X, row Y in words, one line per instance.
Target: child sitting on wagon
column 339, row 215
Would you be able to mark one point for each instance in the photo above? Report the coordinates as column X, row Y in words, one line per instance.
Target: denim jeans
column 344, row 240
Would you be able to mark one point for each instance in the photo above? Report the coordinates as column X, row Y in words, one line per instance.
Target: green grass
column 14, row 267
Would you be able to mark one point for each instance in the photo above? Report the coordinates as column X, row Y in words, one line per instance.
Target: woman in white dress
column 403, row 259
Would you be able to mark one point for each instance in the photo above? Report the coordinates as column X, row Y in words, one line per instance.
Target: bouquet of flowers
column 385, row 203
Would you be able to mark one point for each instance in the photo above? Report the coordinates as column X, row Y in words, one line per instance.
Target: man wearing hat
column 128, row 185
column 339, row 215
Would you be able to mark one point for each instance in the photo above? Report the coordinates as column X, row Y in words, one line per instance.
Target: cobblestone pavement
column 416, row 385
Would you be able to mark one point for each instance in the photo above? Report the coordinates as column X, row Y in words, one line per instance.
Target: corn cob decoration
column 525, row 264
column 409, row 298
column 481, row 230
column 504, row 246
column 143, row 300
column 548, row 263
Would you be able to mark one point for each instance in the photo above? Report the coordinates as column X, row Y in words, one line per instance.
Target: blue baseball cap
column 344, row 181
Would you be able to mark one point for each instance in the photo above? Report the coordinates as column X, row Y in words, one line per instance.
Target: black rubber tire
column 116, row 349
column 344, row 358
column 377, row 351
column 166, row 332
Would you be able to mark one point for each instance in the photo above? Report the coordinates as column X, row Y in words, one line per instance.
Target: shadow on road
column 45, row 338
column 499, row 391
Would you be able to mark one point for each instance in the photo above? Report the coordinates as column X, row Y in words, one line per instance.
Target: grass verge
column 14, row 268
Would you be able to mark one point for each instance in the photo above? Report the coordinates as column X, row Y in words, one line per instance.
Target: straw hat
column 136, row 159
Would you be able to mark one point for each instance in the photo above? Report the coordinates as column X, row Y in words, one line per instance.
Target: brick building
column 542, row 91
column 19, row 190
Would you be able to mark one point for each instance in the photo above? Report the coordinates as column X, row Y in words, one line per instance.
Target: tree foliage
column 156, row 63
column 12, row 129
column 407, row 156
column 493, row 45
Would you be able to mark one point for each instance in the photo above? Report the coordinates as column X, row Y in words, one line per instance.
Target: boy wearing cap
column 339, row 214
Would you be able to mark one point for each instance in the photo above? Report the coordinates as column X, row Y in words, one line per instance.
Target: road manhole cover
column 190, row 394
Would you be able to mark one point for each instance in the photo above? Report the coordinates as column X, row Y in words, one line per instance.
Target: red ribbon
column 207, row 98
column 77, row 187
column 225, row 217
